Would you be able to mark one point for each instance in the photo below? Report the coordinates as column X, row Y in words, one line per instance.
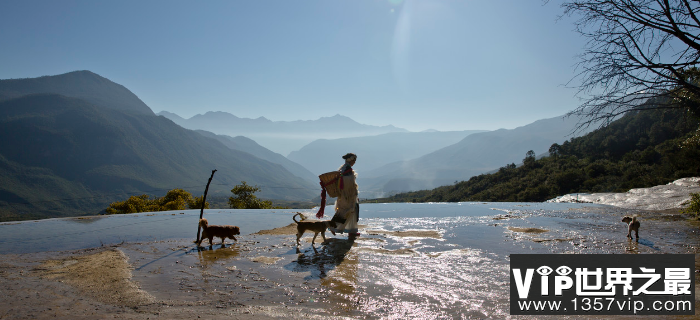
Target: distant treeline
column 642, row 149
column 178, row 199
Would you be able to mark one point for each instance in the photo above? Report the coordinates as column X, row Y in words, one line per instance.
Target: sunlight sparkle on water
column 425, row 261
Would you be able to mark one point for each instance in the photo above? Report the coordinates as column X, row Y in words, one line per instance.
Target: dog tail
column 203, row 223
column 300, row 215
column 634, row 219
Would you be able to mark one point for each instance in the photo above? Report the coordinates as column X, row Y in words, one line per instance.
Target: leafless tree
column 637, row 50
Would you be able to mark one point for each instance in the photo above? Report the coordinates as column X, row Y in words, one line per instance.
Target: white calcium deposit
column 670, row 196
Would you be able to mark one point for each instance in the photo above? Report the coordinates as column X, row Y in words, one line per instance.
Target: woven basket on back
column 332, row 182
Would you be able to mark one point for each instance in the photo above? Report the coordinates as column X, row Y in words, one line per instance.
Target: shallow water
column 427, row 261
column 95, row 231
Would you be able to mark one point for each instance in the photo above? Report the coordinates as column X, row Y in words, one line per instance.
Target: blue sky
column 415, row 64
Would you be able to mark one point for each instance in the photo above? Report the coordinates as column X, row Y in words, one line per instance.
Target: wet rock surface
column 450, row 265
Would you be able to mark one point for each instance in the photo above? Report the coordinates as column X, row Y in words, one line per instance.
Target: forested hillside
column 63, row 156
column 642, row 149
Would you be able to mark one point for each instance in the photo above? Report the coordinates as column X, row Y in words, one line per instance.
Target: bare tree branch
column 637, row 50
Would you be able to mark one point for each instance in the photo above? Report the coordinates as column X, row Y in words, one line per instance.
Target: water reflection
column 86, row 220
column 336, row 265
column 633, row 245
column 343, row 284
column 210, row 256
column 320, row 262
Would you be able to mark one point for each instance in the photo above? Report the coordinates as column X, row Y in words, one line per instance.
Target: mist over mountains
column 248, row 145
column 408, row 161
column 475, row 154
column 281, row 137
column 394, row 161
column 375, row 151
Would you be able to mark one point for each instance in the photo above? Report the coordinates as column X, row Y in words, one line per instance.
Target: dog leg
column 629, row 230
column 314, row 239
column 299, row 237
column 323, row 234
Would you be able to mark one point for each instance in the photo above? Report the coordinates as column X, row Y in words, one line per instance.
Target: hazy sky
column 415, row 64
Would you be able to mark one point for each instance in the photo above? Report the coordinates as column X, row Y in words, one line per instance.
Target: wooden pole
column 204, row 202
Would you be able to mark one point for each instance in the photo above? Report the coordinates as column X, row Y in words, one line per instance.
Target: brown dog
column 223, row 232
column 315, row 226
column 632, row 224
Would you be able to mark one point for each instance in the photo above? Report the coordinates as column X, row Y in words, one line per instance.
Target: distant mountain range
column 374, row 151
column 66, row 153
column 393, row 161
column 476, row 154
column 248, row 145
column 279, row 136
column 649, row 147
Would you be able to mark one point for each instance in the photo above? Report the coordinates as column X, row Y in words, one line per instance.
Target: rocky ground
column 672, row 196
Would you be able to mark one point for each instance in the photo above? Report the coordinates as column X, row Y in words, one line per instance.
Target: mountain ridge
column 250, row 146
column 282, row 137
column 375, row 151
column 82, row 84
column 63, row 155
column 641, row 149
column 475, row 154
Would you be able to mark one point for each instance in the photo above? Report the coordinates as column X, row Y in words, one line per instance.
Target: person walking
column 347, row 206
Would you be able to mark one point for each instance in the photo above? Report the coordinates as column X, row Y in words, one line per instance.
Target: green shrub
column 245, row 198
column 176, row 199
column 694, row 206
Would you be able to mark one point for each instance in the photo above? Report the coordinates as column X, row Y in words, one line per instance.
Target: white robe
column 347, row 204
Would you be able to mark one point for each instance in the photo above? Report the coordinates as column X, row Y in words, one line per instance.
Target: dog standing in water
column 632, row 224
column 315, row 226
column 223, row 232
